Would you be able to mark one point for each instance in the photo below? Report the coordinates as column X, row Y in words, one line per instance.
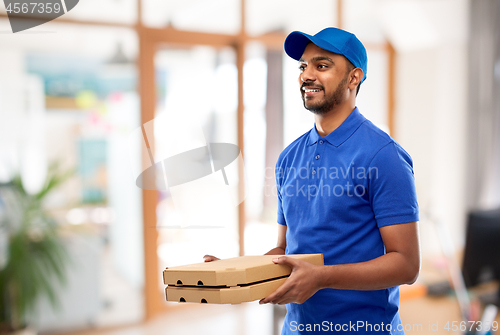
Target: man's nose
column 307, row 75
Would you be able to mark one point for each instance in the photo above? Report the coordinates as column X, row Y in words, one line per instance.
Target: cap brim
column 296, row 42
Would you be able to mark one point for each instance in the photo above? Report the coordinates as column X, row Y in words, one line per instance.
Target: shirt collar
column 342, row 133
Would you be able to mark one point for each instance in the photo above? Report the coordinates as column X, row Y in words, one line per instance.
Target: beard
column 329, row 102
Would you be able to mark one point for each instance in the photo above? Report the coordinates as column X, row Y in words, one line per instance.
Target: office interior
column 89, row 92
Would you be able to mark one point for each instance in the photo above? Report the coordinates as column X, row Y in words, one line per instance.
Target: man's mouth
column 310, row 91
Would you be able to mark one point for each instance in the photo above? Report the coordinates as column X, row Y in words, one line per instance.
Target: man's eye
column 302, row 67
column 322, row 66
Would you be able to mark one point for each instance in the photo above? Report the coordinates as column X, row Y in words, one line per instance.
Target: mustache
column 311, row 85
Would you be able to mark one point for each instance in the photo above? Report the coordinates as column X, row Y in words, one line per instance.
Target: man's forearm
column 276, row 251
column 386, row 271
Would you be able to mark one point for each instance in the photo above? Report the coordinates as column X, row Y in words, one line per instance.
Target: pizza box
column 229, row 281
column 233, row 271
column 223, row 295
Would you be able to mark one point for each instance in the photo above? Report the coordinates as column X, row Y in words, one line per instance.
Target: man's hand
column 210, row 258
column 300, row 286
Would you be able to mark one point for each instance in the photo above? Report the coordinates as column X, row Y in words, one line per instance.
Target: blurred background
column 73, row 90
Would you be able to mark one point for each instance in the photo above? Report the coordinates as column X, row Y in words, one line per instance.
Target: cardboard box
column 223, row 295
column 229, row 281
column 232, row 271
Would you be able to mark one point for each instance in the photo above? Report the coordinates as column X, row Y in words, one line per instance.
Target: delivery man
column 345, row 189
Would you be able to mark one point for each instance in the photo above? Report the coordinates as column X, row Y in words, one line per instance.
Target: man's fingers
column 276, row 295
column 210, row 258
column 279, row 295
column 287, row 292
column 284, row 260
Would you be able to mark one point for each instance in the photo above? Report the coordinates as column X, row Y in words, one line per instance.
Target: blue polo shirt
column 334, row 193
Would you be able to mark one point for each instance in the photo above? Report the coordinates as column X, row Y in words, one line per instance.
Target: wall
column 431, row 113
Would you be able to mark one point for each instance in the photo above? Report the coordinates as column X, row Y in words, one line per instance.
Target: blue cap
column 331, row 39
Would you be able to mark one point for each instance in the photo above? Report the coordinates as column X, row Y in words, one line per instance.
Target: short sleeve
column 392, row 186
column 279, row 181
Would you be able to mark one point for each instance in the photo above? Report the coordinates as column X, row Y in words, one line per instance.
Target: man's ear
column 355, row 78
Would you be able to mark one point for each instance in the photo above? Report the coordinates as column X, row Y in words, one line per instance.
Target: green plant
column 36, row 254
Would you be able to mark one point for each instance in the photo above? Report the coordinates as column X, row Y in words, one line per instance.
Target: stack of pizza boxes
column 229, row 281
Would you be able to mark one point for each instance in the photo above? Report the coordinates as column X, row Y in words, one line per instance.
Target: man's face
column 323, row 79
